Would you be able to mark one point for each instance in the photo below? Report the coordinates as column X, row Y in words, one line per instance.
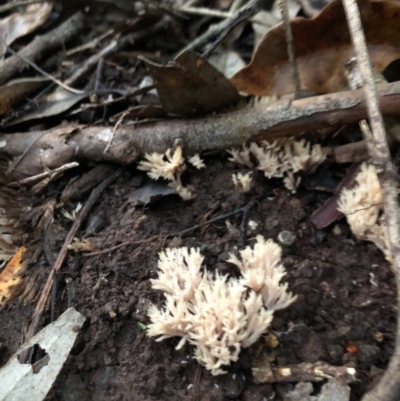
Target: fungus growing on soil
column 196, row 161
column 362, row 206
column 218, row 314
column 242, row 182
column 170, row 166
column 280, row 159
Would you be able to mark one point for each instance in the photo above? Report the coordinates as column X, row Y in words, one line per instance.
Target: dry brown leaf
column 10, row 276
column 17, row 25
column 190, row 86
column 322, row 47
column 17, row 91
column 52, row 104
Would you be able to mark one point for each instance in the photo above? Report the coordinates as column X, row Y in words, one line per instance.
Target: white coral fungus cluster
column 197, row 162
column 217, row 314
column 362, row 206
column 281, row 159
column 242, row 182
column 170, row 166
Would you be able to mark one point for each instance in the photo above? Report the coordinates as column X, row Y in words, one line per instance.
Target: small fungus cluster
column 170, row 166
column 217, row 314
column 281, row 159
column 362, row 206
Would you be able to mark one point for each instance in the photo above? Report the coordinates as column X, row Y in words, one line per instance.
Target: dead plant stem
column 283, row 7
column 388, row 389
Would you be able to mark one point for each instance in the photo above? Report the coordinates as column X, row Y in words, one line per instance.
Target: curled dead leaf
column 322, row 47
column 191, row 86
column 54, row 103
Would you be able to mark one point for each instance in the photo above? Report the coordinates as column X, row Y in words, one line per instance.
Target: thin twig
column 206, row 12
column 388, row 389
column 303, row 372
column 43, row 175
column 368, row 137
column 44, row 73
column 91, row 44
column 70, row 291
column 247, row 11
column 355, row 81
column 244, row 210
column 99, row 74
column 236, row 4
column 242, row 15
column 54, row 291
column 245, row 219
column 116, row 45
column 283, row 7
column 191, row 3
column 117, row 124
column 64, row 250
column 111, row 47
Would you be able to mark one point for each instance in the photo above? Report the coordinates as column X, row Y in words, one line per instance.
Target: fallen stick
column 40, row 307
column 219, row 132
column 304, row 372
column 41, row 45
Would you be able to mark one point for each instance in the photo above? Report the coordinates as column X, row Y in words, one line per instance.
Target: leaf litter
column 322, row 56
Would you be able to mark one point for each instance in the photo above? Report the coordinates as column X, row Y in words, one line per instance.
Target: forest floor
column 345, row 312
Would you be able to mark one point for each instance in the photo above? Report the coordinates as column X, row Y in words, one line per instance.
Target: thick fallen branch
column 223, row 131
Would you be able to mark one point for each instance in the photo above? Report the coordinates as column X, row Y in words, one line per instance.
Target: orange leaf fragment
column 352, row 348
column 10, row 276
column 322, row 47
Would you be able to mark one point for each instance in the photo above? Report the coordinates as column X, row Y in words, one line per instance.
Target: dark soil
column 341, row 316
